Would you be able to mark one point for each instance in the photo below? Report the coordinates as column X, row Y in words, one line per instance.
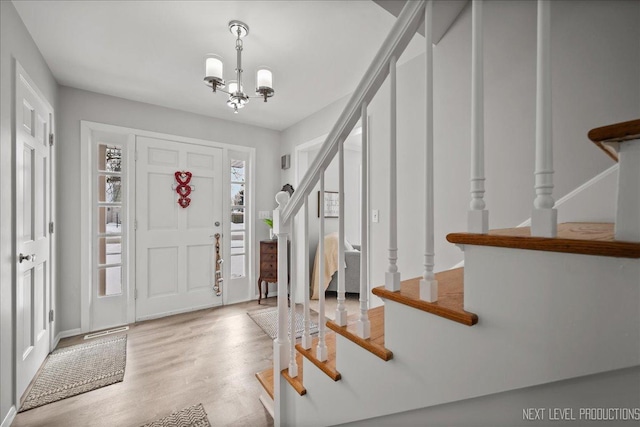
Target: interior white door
column 175, row 246
column 33, row 198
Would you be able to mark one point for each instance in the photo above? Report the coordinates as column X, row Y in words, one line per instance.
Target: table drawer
column 268, row 248
column 268, row 266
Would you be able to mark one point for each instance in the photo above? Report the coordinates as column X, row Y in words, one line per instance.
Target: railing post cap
column 282, row 198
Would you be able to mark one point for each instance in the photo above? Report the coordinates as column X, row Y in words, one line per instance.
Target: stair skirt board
column 552, row 329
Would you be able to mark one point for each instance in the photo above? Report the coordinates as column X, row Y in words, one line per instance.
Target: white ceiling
column 153, row 51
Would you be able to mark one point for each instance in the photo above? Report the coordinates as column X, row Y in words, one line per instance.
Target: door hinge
column 135, row 224
column 51, row 227
column 135, row 156
column 50, row 315
column 135, row 294
column 51, row 137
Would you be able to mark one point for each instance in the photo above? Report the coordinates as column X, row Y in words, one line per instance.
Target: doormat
column 194, row 416
column 267, row 319
column 74, row 370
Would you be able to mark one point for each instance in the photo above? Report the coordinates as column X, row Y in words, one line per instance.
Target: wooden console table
column 268, row 266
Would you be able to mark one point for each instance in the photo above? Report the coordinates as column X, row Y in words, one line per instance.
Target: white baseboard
column 9, row 418
column 267, row 402
column 65, row 334
column 170, row 313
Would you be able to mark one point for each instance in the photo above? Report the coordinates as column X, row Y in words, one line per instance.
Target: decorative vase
column 271, row 235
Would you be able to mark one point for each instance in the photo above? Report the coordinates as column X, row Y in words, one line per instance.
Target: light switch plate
column 375, row 215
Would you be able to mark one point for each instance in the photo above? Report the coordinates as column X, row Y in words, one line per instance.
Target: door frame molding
column 20, row 72
column 86, row 199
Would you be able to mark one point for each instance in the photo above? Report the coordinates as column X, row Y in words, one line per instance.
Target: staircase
column 562, row 302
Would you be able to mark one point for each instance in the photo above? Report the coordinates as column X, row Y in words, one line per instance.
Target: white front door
column 175, row 248
column 33, row 209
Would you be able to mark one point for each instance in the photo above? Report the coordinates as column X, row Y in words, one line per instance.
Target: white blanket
column 330, row 263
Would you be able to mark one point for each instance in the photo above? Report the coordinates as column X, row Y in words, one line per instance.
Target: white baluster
column 363, row 325
column 544, row 221
column 428, row 283
column 306, row 336
column 321, row 349
column 478, row 216
column 392, row 276
column 281, row 343
column 293, row 363
column 341, row 310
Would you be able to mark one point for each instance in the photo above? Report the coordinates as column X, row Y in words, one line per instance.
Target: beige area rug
column 74, row 370
column 267, row 319
column 194, row 416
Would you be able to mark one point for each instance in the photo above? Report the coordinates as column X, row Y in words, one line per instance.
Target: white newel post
column 392, row 276
column 321, row 349
column 544, row 222
column 281, row 343
column 341, row 310
column 282, row 231
column 293, row 363
column 363, row 325
column 478, row 216
column 428, row 283
column 306, row 335
column 627, row 225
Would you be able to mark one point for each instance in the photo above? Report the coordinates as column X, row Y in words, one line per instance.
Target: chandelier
column 237, row 97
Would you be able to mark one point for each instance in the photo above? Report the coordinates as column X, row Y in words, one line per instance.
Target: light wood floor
column 208, row 356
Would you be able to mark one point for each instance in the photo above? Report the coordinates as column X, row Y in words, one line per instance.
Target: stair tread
column 375, row 343
column 266, row 379
column 573, row 237
column 297, row 382
column 617, row 132
column 450, row 304
column 329, row 366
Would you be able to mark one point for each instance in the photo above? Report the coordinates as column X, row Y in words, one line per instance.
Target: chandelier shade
column 214, row 76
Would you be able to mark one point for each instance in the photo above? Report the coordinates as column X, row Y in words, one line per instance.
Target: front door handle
column 23, row 257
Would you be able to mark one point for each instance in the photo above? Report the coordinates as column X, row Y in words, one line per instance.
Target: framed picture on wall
column 331, row 204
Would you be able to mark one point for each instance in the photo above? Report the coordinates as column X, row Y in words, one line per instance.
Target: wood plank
column 450, row 304
column 329, row 366
column 266, row 379
column 573, row 237
column 618, row 132
column 296, row 382
column 375, row 343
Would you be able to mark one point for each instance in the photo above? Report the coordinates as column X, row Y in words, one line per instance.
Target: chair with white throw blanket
column 330, row 277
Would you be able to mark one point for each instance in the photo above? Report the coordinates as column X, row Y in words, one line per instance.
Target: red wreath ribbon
column 183, row 189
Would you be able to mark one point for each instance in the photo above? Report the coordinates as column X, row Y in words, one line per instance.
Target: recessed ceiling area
column 153, row 51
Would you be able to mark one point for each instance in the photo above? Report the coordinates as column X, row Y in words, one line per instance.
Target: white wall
column 595, row 82
column 77, row 105
column 16, row 44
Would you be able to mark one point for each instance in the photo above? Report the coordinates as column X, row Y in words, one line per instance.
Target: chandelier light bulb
column 264, row 78
column 214, row 67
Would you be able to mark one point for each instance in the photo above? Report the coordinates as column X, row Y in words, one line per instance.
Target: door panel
column 174, row 245
column 33, row 188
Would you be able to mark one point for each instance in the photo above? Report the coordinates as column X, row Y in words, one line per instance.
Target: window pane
column 237, row 219
column 109, row 189
column 237, row 242
column 110, row 220
column 109, row 158
column 237, row 194
column 109, row 281
column 237, row 170
column 109, row 250
column 237, row 266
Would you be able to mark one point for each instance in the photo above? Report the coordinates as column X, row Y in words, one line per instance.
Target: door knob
column 23, row 257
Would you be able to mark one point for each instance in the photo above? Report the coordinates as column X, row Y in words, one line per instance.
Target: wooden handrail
column 618, row 132
column 396, row 42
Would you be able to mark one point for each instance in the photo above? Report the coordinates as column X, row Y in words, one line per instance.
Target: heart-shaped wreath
column 183, row 189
